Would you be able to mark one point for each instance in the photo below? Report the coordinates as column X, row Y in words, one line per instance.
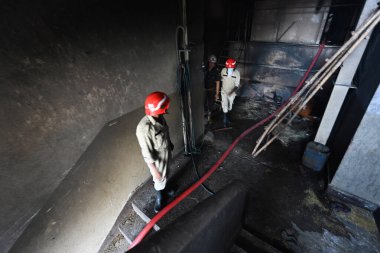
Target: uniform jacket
column 211, row 76
column 153, row 138
column 229, row 82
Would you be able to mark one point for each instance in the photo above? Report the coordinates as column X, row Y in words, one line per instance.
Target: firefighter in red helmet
column 230, row 84
column 153, row 136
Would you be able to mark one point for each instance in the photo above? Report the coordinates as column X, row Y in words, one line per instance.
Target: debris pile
column 288, row 134
column 253, row 108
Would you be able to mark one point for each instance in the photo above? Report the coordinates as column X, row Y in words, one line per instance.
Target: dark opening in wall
column 215, row 26
column 342, row 19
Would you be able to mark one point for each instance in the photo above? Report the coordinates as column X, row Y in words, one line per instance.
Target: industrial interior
column 288, row 161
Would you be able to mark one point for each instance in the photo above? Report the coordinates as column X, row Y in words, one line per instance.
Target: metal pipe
column 180, row 90
column 184, row 25
column 183, row 80
column 187, row 71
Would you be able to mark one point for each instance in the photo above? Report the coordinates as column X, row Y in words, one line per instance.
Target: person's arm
column 237, row 82
column 217, row 92
column 154, row 171
column 147, row 150
column 217, row 84
column 171, row 145
column 233, row 90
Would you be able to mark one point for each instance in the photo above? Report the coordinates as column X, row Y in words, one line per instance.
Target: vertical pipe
column 180, row 74
column 184, row 83
column 187, row 77
column 184, row 24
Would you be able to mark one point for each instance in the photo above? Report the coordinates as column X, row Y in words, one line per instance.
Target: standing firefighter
column 212, row 85
column 153, row 136
column 230, row 84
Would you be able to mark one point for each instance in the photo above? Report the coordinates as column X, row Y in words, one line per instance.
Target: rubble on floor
column 252, row 108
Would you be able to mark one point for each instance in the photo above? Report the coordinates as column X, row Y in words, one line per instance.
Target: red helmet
column 156, row 103
column 230, row 63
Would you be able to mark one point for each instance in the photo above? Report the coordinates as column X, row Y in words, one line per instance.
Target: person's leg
column 171, row 187
column 231, row 99
column 159, row 186
column 158, row 205
column 225, row 108
column 169, row 190
column 210, row 103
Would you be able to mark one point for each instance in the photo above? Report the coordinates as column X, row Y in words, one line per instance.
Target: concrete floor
column 286, row 205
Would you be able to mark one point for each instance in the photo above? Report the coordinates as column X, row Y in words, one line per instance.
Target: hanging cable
column 183, row 85
column 180, row 88
column 193, row 149
column 205, row 187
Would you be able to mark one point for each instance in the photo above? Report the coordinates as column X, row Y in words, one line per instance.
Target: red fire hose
column 183, row 195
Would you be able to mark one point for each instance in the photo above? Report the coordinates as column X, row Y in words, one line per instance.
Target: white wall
column 359, row 171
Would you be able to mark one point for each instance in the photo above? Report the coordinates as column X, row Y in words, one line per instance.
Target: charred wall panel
column 66, row 69
column 277, row 66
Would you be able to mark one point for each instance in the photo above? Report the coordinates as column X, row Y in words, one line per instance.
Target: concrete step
column 143, row 216
column 185, row 205
column 145, row 198
column 251, row 243
column 131, row 226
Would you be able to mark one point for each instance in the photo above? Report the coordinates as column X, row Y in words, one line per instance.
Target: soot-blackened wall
column 67, row 68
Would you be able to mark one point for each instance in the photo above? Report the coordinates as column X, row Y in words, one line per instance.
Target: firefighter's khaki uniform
column 228, row 84
column 155, row 144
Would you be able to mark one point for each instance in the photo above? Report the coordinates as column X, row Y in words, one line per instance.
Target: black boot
column 159, row 202
column 229, row 118
column 225, row 120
